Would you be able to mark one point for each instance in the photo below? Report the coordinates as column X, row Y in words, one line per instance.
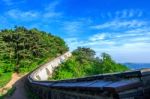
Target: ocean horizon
column 134, row 66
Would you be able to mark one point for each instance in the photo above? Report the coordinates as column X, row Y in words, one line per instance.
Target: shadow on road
column 18, row 90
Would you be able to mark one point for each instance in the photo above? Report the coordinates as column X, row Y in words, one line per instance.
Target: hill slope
column 23, row 49
column 84, row 63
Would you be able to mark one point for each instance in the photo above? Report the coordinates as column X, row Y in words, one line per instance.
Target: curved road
column 18, row 82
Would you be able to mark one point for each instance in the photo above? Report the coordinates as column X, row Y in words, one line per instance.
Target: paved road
column 18, row 82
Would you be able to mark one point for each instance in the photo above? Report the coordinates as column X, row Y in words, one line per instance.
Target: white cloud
column 51, row 14
column 140, row 14
column 129, row 36
column 127, row 46
column 22, row 15
column 72, row 27
column 123, row 14
column 75, row 27
column 73, row 43
column 128, row 13
column 99, row 36
column 130, row 52
column 131, row 13
column 50, row 10
column 116, row 24
column 52, row 6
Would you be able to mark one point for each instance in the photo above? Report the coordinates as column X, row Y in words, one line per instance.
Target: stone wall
column 45, row 71
column 126, row 85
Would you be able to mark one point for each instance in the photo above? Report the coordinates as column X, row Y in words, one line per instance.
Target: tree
column 110, row 65
column 84, row 63
column 23, row 47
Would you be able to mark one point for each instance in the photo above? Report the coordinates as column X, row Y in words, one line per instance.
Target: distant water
column 134, row 66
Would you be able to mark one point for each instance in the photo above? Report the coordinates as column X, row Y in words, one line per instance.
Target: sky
column 120, row 28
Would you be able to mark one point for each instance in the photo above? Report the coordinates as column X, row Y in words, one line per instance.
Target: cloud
column 52, row 6
column 29, row 15
column 51, row 14
column 129, row 13
column 50, row 10
column 22, row 15
column 114, row 38
column 128, row 36
column 130, row 52
column 75, row 27
column 116, row 24
column 73, row 42
column 126, row 44
column 72, row 28
column 99, row 36
column 123, row 14
column 136, row 51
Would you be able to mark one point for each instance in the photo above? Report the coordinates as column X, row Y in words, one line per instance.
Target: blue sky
column 118, row 27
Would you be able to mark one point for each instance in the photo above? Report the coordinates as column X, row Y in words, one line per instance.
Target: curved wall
column 131, row 84
column 45, row 71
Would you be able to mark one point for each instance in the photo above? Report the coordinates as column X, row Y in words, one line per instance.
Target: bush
column 84, row 63
column 21, row 49
column 1, row 72
column 5, row 78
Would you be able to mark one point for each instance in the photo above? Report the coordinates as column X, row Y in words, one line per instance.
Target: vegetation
column 5, row 78
column 84, row 63
column 22, row 50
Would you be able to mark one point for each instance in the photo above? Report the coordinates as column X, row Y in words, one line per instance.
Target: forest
column 84, row 63
column 22, row 50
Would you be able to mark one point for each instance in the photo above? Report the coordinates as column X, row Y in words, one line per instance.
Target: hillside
column 84, row 63
column 22, row 50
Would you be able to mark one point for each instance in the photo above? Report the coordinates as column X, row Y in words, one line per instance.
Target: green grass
column 5, row 78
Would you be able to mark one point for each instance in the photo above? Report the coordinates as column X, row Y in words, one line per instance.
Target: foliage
column 84, row 63
column 23, row 49
column 5, row 78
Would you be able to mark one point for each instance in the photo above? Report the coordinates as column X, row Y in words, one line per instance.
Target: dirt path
column 18, row 82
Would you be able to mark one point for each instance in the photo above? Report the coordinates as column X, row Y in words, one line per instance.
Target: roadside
column 16, row 82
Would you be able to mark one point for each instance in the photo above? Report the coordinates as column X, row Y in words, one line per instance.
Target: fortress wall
column 126, row 85
column 45, row 71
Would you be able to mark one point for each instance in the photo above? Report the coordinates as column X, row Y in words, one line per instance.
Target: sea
column 134, row 66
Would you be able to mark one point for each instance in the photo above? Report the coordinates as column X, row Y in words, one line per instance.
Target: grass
column 5, row 78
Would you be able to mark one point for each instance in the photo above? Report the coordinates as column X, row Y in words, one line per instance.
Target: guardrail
column 131, row 84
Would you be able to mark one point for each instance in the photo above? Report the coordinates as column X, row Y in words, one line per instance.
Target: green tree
column 84, row 63
column 110, row 65
column 25, row 48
